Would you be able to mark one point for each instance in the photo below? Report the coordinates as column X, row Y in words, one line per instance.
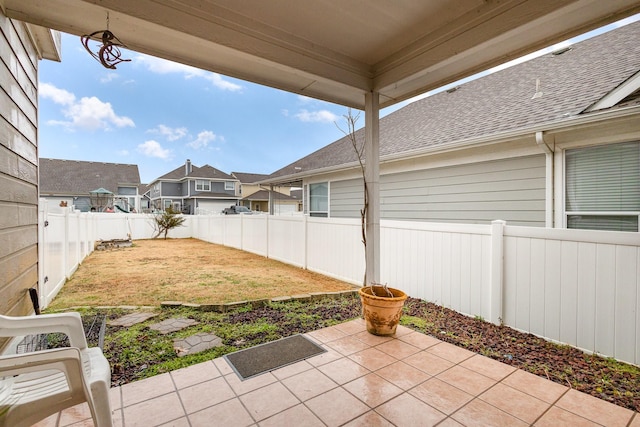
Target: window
column 603, row 187
column 202, row 185
column 229, row 185
column 319, row 199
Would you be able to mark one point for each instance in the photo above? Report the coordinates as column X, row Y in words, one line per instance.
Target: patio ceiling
column 336, row 50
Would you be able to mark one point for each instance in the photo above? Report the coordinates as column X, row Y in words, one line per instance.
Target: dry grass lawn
column 187, row 270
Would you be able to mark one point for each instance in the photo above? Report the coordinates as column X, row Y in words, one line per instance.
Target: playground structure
column 103, row 200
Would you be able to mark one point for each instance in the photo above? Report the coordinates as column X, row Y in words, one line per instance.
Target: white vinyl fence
column 577, row 287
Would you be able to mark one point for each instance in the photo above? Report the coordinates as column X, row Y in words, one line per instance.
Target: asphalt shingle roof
column 499, row 102
column 249, row 178
column 264, row 195
column 76, row 177
column 206, row 171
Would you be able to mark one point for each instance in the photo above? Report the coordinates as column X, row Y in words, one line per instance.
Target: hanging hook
column 108, row 54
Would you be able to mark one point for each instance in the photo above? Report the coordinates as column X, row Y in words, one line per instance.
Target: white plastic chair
column 36, row 385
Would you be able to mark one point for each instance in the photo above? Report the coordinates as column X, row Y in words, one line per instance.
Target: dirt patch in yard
column 187, row 270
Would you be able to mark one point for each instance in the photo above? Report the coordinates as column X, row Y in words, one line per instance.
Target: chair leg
column 102, row 410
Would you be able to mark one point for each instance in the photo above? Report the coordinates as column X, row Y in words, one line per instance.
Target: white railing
column 578, row 287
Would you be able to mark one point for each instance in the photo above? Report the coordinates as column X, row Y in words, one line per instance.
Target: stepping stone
column 196, row 343
column 131, row 319
column 172, row 325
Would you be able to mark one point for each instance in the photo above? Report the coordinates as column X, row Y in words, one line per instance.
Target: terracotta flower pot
column 381, row 313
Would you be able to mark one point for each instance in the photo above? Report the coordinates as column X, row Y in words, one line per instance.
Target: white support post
column 497, row 271
column 372, row 177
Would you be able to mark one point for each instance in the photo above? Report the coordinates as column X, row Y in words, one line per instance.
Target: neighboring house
column 552, row 142
column 258, row 197
column 80, row 184
column 192, row 189
column 145, row 202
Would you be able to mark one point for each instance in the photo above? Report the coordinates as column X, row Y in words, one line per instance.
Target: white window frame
column 229, row 185
column 563, row 186
column 319, row 213
column 203, row 185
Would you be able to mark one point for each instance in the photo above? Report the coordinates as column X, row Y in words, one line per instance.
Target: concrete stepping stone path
column 131, row 319
column 196, row 343
column 173, row 325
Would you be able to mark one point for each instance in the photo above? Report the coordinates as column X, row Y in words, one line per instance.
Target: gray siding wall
column 18, row 168
column 346, row 198
column 170, row 189
column 508, row 189
column 216, row 187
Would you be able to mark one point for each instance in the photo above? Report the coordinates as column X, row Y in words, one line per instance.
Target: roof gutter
column 543, row 128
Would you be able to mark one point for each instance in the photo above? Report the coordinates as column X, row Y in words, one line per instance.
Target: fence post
column 78, row 238
column 65, row 251
column 268, row 225
column 305, row 236
column 42, row 272
column 496, row 279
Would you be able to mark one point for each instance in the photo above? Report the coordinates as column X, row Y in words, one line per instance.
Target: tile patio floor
column 362, row 380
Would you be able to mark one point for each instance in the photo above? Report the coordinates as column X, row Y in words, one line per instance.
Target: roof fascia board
column 618, row 94
column 48, row 43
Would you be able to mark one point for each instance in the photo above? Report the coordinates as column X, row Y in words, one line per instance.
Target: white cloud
column 88, row 113
column 59, row 96
column 162, row 66
column 109, row 77
column 153, row 148
column 218, row 81
column 203, row 140
column 123, row 153
column 91, row 113
column 322, row 116
column 172, row 134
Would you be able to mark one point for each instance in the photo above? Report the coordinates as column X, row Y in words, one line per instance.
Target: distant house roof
column 205, row 172
column 143, row 188
column 570, row 81
column 74, row 177
column 263, row 195
column 249, row 178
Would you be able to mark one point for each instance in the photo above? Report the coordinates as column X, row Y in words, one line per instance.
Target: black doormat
column 273, row 355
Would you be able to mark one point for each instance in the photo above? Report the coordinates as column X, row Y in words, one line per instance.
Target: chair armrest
column 67, row 323
column 17, row 364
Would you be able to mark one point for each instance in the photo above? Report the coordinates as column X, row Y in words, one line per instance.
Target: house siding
column 18, row 168
column 171, row 189
column 507, row 189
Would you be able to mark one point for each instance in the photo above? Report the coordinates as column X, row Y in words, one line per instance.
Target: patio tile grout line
column 237, row 396
column 177, row 391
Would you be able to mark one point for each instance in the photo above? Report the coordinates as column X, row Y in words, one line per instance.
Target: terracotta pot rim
column 398, row 294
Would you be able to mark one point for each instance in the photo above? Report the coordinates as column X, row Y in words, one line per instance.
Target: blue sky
column 156, row 114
